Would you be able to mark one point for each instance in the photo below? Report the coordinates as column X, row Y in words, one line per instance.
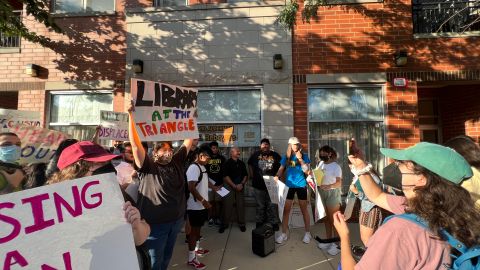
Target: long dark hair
column 466, row 146
column 446, row 205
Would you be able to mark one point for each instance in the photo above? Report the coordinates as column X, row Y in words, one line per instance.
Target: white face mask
column 10, row 154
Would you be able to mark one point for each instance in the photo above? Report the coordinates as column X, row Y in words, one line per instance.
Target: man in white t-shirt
column 125, row 168
column 197, row 204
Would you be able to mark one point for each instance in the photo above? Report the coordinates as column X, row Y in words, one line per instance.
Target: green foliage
column 11, row 23
column 286, row 18
column 287, row 15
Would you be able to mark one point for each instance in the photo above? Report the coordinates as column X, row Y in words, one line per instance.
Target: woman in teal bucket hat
column 431, row 178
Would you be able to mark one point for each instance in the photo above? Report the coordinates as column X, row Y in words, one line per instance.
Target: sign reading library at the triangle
column 164, row 112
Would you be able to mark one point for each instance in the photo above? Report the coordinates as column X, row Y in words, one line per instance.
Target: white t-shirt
column 192, row 175
column 331, row 172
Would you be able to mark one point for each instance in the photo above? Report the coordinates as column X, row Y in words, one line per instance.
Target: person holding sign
column 86, row 158
column 296, row 165
column 330, row 192
column 11, row 174
column 161, row 197
column 261, row 163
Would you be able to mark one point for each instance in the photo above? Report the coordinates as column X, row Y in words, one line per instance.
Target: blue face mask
column 10, row 154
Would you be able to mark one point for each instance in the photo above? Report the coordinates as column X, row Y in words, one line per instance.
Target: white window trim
column 74, row 92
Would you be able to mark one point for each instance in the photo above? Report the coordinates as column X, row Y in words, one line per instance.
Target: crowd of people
column 166, row 189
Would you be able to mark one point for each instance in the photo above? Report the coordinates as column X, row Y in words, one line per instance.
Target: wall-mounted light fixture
column 401, row 58
column 32, row 70
column 137, row 66
column 277, row 61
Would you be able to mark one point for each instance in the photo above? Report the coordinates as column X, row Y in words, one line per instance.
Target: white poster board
column 77, row 224
column 114, row 126
column 38, row 144
column 277, row 191
column 164, row 112
column 10, row 118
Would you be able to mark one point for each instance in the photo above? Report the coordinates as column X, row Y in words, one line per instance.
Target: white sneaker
column 307, row 237
column 281, row 238
column 333, row 250
column 324, row 246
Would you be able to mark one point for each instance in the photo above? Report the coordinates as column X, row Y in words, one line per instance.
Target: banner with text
column 38, row 144
column 10, row 118
column 277, row 191
column 114, row 126
column 76, row 224
column 164, row 112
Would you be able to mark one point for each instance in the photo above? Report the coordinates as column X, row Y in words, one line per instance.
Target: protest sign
column 277, row 191
column 10, row 118
column 114, row 126
column 77, row 224
column 164, row 112
column 296, row 217
column 38, row 144
column 319, row 209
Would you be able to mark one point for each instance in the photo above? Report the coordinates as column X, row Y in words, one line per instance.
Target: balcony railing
column 450, row 16
column 10, row 41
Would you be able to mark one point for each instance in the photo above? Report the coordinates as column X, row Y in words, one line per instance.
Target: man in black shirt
column 214, row 170
column 260, row 163
column 235, row 179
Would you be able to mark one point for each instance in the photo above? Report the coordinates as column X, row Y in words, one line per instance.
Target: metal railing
column 7, row 41
column 450, row 16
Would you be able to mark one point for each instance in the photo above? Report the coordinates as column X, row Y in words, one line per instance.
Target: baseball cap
column 441, row 160
column 293, row 140
column 84, row 150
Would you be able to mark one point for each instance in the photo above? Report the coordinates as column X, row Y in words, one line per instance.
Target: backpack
column 200, row 178
column 468, row 258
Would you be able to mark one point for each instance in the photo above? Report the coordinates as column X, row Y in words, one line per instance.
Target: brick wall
column 363, row 38
column 33, row 100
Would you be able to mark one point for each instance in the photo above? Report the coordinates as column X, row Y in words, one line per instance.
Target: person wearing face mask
column 86, row 158
column 161, row 193
column 11, row 173
column 330, row 193
column 125, row 168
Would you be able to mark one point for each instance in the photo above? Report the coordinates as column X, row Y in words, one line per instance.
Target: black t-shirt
column 235, row 169
column 263, row 164
column 161, row 192
column 214, row 169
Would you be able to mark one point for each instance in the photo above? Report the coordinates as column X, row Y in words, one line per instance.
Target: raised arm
column 137, row 148
column 373, row 192
column 188, row 144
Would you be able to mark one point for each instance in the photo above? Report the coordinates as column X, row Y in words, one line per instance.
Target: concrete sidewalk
column 233, row 250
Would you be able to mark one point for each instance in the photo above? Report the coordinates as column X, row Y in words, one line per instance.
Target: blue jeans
column 161, row 241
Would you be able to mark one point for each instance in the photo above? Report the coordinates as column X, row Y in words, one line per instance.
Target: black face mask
column 324, row 158
column 107, row 168
column 392, row 176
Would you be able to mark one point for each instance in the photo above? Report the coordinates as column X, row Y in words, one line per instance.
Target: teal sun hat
column 443, row 161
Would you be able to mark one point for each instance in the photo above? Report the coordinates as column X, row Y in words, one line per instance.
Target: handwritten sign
column 164, row 112
column 296, row 217
column 76, row 224
column 38, row 144
column 114, row 126
column 277, row 191
column 11, row 118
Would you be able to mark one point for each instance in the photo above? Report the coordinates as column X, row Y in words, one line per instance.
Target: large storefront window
column 338, row 114
column 78, row 113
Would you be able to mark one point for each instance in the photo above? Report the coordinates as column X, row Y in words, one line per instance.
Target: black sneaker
column 243, row 228
column 276, row 227
column 222, row 228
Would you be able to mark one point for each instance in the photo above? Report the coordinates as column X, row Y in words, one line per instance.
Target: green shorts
column 331, row 197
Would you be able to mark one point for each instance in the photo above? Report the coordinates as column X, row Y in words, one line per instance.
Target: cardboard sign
column 114, row 126
column 11, row 118
column 164, row 112
column 77, row 224
column 277, row 191
column 38, row 144
column 296, row 217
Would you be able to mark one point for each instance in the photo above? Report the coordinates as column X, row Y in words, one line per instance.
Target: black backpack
column 200, row 177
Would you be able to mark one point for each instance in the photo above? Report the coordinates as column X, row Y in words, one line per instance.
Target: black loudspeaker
column 263, row 240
